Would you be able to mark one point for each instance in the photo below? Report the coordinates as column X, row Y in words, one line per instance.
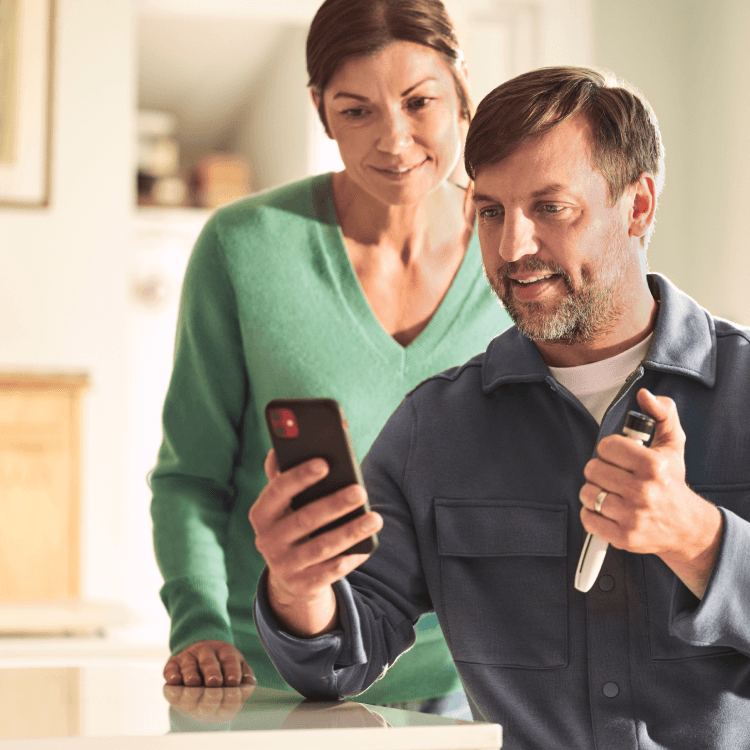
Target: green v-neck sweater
column 272, row 308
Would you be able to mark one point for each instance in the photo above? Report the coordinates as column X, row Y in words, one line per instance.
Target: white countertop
column 113, row 702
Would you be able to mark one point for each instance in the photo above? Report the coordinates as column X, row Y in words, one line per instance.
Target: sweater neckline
column 359, row 307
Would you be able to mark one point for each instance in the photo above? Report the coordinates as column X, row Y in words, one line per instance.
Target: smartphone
column 306, row 428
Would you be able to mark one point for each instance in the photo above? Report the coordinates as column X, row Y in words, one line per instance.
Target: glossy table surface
column 125, row 704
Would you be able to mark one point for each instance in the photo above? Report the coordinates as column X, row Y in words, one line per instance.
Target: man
column 488, row 477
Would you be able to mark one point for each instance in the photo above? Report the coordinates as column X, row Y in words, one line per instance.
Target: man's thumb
column 663, row 409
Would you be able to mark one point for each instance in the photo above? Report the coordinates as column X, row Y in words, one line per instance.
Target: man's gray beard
column 581, row 314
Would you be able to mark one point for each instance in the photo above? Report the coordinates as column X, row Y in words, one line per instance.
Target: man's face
column 556, row 251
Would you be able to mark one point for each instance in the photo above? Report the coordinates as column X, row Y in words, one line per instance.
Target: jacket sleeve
column 379, row 602
column 722, row 617
column 192, row 484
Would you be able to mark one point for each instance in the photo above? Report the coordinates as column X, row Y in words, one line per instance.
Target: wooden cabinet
column 40, row 466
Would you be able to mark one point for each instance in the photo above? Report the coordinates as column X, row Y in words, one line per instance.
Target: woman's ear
column 463, row 75
column 315, row 94
column 642, row 205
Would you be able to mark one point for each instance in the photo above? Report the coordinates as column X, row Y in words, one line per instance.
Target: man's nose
column 518, row 237
column 395, row 134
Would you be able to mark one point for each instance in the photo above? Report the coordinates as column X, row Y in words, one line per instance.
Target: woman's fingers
column 209, row 663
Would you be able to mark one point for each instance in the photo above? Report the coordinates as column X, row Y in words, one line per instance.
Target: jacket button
column 610, row 689
column 606, row 583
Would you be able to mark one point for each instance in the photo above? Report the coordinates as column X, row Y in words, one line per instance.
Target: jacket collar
column 684, row 343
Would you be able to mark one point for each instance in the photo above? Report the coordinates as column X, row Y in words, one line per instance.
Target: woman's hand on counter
column 209, row 663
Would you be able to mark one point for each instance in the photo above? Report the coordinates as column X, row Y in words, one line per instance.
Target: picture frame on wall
column 26, row 86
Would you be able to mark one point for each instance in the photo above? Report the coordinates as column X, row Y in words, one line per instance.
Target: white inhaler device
column 637, row 427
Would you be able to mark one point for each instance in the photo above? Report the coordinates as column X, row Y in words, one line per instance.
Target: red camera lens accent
column 284, row 423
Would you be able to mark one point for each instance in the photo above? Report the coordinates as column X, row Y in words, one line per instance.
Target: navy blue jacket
column 477, row 477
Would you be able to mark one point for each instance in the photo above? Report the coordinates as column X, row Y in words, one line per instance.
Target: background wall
column 64, row 270
column 689, row 57
column 65, row 302
column 285, row 70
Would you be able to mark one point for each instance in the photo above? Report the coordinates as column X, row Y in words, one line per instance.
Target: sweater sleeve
column 379, row 602
column 722, row 617
column 192, row 483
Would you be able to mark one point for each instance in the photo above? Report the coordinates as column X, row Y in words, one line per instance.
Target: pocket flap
column 496, row 528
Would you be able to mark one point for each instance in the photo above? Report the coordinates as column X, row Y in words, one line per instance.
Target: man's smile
column 533, row 279
column 533, row 288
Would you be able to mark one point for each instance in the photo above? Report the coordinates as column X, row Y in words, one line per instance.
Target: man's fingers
column 599, row 525
column 312, row 551
column 668, row 432
column 273, row 501
column 333, row 543
column 270, row 465
column 306, row 520
column 615, row 467
column 320, row 561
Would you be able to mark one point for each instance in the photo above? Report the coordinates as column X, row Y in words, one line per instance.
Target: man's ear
column 643, row 205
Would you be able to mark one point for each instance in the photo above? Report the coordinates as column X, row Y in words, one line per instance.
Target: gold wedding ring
column 600, row 501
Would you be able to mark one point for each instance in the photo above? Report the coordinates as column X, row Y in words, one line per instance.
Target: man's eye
column 551, row 208
column 489, row 213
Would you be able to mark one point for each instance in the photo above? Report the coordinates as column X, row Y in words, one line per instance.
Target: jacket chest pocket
column 503, row 581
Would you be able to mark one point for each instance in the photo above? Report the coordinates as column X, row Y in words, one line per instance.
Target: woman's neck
column 409, row 230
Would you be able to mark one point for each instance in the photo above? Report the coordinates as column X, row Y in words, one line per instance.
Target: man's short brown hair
column 625, row 133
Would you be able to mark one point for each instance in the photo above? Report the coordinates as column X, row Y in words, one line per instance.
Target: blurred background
column 164, row 109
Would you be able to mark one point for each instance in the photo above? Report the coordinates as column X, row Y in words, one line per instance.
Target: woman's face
column 396, row 119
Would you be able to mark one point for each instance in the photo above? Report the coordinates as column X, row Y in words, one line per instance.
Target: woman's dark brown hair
column 349, row 28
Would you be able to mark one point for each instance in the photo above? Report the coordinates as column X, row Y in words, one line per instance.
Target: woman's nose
column 395, row 134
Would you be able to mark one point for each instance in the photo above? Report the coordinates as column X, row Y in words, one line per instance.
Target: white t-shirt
column 595, row 385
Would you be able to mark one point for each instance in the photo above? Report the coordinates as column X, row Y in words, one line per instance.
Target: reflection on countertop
column 246, row 708
column 129, row 699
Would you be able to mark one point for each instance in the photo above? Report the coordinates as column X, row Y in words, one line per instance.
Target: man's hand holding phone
column 302, row 568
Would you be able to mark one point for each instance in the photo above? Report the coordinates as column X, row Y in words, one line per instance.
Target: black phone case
column 322, row 434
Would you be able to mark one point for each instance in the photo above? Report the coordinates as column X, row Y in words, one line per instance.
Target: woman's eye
column 355, row 113
column 419, row 102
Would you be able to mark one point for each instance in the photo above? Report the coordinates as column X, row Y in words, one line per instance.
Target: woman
column 356, row 286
